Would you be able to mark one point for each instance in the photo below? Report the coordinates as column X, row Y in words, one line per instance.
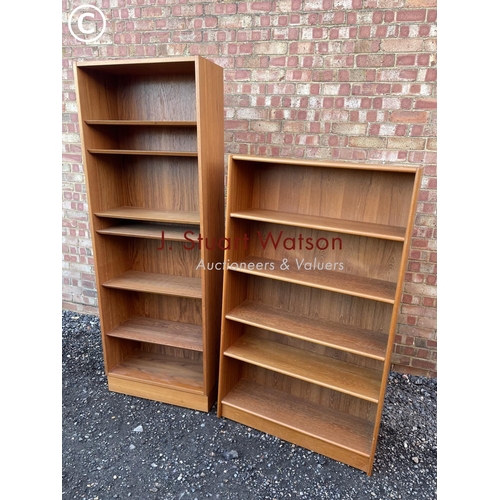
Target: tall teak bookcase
column 153, row 147
column 314, row 269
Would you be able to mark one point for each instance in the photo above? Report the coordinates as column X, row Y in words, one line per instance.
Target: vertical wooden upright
column 152, row 140
column 312, row 287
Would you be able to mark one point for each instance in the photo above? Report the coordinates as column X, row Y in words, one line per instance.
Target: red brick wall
column 327, row 79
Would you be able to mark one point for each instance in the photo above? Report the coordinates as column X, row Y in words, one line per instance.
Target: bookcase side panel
column 411, row 202
column 210, row 118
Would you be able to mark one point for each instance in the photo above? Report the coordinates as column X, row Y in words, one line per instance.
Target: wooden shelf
column 140, row 152
column 351, row 433
column 163, row 284
column 161, row 332
column 323, row 223
column 161, row 370
column 343, row 337
column 140, row 123
column 152, row 215
column 150, row 231
column 334, row 281
column 344, row 377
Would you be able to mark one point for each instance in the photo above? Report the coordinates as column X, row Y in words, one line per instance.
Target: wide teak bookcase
column 153, row 148
column 314, row 267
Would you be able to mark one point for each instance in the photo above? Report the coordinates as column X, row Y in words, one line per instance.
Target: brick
column 423, row 364
column 431, row 15
column 432, row 144
column 430, row 45
column 236, row 125
column 431, row 75
column 386, row 4
column 367, row 142
column 405, row 143
column 402, row 45
column 411, row 15
column 278, row 61
column 408, row 116
column 367, row 46
column 299, row 48
column 406, row 60
column 375, row 61
column 421, row 3
column 265, row 126
column 349, row 128
column 251, row 114
column 426, row 104
column 270, row 48
column 389, row 16
column 395, row 75
column 261, row 6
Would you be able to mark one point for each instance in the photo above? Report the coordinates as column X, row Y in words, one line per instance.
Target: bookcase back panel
column 375, row 196
column 146, row 182
column 167, row 307
column 136, row 254
column 173, row 259
column 167, row 184
column 310, row 392
column 116, row 350
column 170, row 351
column 320, row 304
column 112, row 257
column 161, row 97
column 147, row 138
column 105, row 171
column 360, row 256
column 118, row 305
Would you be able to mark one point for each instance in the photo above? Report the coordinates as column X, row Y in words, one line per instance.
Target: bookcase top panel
column 158, row 66
column 326, row 164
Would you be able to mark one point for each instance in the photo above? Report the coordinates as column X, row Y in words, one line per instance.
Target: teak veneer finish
column 306, row 346
column 152, row 139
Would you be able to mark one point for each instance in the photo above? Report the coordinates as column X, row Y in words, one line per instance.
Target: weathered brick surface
column 326, row 79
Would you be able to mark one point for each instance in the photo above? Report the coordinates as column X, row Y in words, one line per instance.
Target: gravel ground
column 117, row 446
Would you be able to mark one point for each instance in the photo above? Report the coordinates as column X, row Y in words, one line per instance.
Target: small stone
column 138, row 429
column 415, row 459
column 131, row 447
column 228, row 455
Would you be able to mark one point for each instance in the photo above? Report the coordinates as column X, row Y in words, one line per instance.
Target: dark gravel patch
column 117, row 446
